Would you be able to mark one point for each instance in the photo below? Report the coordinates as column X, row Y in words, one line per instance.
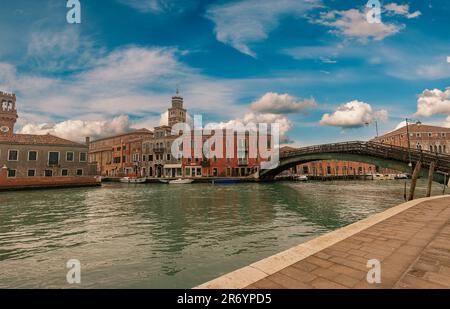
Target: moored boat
column 132, row 180
column 181, row 181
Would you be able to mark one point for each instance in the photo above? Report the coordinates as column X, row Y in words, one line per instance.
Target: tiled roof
column 31, row 139
column 139, row 131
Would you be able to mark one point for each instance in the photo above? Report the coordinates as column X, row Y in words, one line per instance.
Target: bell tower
column 177, row 113
column 8, row 113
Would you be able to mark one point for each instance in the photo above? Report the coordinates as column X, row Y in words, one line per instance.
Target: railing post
column 414, row 178
column 430, row 178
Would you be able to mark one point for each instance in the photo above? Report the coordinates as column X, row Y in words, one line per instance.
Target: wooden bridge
column 382, row 155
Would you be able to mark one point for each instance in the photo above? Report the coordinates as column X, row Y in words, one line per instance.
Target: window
column 79, row 172
column 124, row 159
column 168, row 157
column 83, row 156
column 429, row 134
column 124, row 148
column 31, row 173
column 116, row 160
column 443, row 135
column 48, row 173
column 13, row 155
column 118, row 148
column 188, row 172
column 150, row 157
column 32, row 155
column 65, row 172
column 70, row 156
column 53, row 158
column 11, row 173
column 144, row 158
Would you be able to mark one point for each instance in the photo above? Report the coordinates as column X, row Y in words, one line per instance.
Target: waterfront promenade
column 411, row 241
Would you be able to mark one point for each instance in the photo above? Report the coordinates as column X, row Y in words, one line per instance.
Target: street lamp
column 418, row 123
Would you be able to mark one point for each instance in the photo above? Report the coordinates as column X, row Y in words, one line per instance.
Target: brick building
column 118, row 155
column 35, row 160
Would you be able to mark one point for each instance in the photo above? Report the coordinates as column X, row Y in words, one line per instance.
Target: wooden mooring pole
column 414, row 178
column 430, row 178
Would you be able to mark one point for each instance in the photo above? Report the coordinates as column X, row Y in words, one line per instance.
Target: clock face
column 4, row 129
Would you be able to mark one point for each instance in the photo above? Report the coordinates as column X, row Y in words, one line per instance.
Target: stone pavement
column 412, row 244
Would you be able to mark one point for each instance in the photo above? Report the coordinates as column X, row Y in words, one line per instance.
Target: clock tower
column 8, row 113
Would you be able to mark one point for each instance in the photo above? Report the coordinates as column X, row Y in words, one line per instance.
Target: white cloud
column 77, row 130
column 247, row 21
column 401, row 9
column 353, row 114
column 281, row 104
column 353, row 23
column 61, row 50
column 432, row 102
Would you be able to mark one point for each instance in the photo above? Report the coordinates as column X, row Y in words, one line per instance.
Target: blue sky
column 317, row 67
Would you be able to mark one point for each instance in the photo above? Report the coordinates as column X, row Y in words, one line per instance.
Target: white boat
column 383, row 177
column 181, row 181
column 164, row 180
column 301, row 178
column 132, row 180
column 401, row 176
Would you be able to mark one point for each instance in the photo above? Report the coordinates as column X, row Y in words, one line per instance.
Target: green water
column 169, row 236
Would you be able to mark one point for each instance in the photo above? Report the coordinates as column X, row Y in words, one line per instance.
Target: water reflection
column 152, row 236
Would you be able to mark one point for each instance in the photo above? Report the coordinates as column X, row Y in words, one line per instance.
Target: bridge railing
column 378, row 150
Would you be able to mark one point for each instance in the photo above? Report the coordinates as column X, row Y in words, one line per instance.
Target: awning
column 172, row 166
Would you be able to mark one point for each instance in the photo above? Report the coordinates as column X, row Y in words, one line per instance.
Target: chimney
column 88, row 140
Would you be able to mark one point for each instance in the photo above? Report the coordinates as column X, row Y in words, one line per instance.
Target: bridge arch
column 385, row 156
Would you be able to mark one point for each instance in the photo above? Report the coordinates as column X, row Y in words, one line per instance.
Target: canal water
column 171, row 236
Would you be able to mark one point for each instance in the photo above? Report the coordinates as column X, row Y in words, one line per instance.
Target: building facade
column 425, row 137
column 25, row 158
column 118, row 155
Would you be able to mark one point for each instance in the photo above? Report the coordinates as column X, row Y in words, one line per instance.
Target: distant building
column 430, row 138
column 25, row 158
column 157, row 159
column 118, row 155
